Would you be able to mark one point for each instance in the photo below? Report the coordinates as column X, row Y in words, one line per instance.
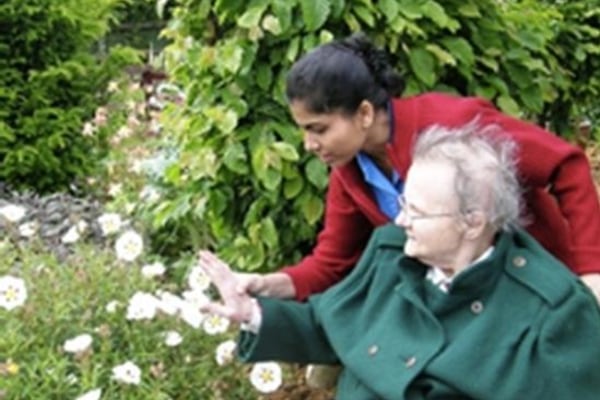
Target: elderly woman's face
column 430, row 214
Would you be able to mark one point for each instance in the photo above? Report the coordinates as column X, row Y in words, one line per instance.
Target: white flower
column 109, row 223
column 173, row 338
column 13, row 292
column 149, row 194
column 129, row 246
column 28, row 229
column 88, row 129
column 153, row 270
column 94, row 394
column 191, row 315
column 168, row 303
column 114, row 189
column 214, row 324
column 196, row 297
column 78, row 344
column 141, row 306
column 266, row 376
column 128, row 373
column 225, row 352
column 12, row 212
column 111, row 307
column 71, row 236
column 112, row 86
column 197, row 279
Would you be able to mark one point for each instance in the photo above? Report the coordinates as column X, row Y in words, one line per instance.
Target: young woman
column 343, row 95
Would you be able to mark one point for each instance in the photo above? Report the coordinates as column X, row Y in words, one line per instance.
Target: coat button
column 373, row 350
column 410, row 362
column 519, row 261
column 476, row 307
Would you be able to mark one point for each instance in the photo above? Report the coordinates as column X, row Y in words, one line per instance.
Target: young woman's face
column 334, row 137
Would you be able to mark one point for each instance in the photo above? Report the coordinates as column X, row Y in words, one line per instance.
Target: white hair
column 485, row 163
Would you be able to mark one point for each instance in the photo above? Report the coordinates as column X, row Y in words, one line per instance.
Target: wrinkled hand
column 251, row 283
column 593, row 282
column 236, row 306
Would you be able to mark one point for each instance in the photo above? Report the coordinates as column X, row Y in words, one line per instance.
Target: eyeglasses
column 415, row 217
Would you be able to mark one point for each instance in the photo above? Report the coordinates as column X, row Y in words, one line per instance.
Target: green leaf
column 365, row 14
column 423, row 66
column 314, row 13
column 292, row 187
column 264, row 75
column 442, row 55
column 312, row 208
column 411, row 9
column 271, row 23
column 316, row 173
column 268, row 233
column 389, row 8
column 272, row 179
column 436, row 13
column 460, row 49
column 293, row 49
column 508, row 105
column 532, row 98
column 469, row 10
column 230, row 56
column 286, row 151
column 235, row 158
column 252, row 16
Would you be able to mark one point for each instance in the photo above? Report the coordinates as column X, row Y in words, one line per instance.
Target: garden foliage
column 243, row 184
column 49, row 80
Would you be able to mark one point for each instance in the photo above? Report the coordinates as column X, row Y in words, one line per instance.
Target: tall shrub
column 49, row 81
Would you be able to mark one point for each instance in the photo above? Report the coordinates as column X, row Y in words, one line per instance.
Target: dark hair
column 339, row 75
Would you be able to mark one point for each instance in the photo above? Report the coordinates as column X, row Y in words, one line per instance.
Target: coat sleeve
column 295, row 332
column 339, row 245
column 565, row 359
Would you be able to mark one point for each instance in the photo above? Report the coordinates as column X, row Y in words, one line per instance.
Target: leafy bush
column 49, row 85
column 242, row 184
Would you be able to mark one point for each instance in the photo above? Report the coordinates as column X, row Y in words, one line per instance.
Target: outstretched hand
column 236, row 305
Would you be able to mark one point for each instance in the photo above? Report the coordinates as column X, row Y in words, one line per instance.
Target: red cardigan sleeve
column 346, row 231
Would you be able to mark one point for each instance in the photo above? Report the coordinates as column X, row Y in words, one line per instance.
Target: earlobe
column 475, row 225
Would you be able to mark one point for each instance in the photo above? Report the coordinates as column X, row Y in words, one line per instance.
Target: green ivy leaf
column 272, row 179
column 264, row 75
column 469, row 10
column 423, row 65
column 316, row 173
column 315, row 13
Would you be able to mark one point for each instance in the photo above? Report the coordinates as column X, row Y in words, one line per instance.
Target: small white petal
column 198, row 280
column 111, row 307
column 153, row 270
column 110, row 223
column 215, row 324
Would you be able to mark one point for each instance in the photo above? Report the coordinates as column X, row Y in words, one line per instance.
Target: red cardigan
column 562, row 204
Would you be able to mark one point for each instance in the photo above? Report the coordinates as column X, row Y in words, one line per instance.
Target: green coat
column 516, row 326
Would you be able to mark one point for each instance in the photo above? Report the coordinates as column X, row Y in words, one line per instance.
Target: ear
column 475, row 225
column 365, row 114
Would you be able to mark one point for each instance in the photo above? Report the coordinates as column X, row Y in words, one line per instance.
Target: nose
column 402, row 219
column 310, row 143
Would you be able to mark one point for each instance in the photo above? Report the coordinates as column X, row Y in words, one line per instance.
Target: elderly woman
column 452, row 302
